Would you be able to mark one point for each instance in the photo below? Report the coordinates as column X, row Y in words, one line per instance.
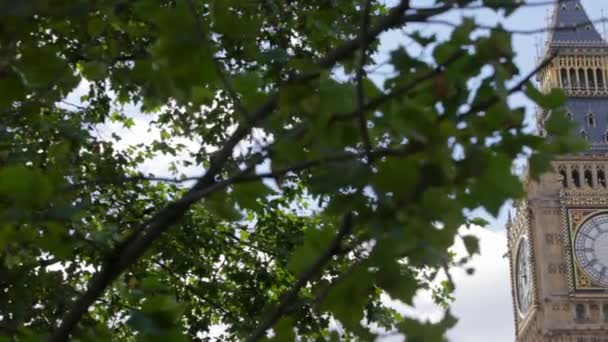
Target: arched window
column 590, row 78
column 580, row 312
column 588, row 178
column 606, row 137
column 583, row 134
column 605, row 311
column 573, row 78
column 564, row 77
column 570, row 116
column 601, row 179
column 582, row 78
column 600, row 78
column 575, row 178
column 590, row 120
column 564, row 176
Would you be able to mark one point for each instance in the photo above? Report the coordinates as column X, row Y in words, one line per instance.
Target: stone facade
column 561, row 221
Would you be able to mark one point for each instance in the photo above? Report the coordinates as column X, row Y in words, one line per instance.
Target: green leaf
column 496, row 183
column 471, row 243
column 405, row 172
column 539, row 163
column 478, row 221
column 355, row 286
column 26, row 186
column 315, row 244
column 417, row 331
column 221, row 204
column 158, row 319
column 284, row 331
column 94, row 70
column 553, row 100
column 251, row 195
column 398, row 281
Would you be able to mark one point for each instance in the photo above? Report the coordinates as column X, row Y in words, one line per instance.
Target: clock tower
column 558, row 240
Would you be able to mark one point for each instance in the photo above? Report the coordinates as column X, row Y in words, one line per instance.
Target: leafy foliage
column 320, row 192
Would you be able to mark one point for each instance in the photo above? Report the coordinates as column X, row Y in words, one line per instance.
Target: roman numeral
column 603, row 272
column 591, row 263
column 587, row 236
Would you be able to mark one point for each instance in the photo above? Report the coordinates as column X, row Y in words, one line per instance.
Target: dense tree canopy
column 321, row 190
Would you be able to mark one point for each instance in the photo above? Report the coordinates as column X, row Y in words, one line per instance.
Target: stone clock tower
column 558, row 241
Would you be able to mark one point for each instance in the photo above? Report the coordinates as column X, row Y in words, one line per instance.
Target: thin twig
column 519, row 86
column 234, row 96
column 363, row 43
column 192, row 289
column 401, row 90
column 129, row 179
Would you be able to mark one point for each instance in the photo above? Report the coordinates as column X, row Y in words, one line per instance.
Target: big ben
column 558, row 240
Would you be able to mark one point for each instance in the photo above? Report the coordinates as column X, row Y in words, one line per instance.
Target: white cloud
column 482, row 303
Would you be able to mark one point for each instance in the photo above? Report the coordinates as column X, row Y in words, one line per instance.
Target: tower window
column 580, row 312
column 601, row 180
column 562, row 173
column 581, row 78
column 588, row 178
column 590, row 78
column 573, row 78
column 570, row 116
column 564, row 77
column 576, row 178
column 590, row 120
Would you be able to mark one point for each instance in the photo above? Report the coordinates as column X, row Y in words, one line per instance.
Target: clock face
column 523, row 277
column 591, row 248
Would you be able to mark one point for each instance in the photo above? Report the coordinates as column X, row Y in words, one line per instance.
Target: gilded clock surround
column 576, row 219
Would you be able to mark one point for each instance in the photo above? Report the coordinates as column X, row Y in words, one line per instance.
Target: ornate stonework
column 564, row 217
column 580, row 281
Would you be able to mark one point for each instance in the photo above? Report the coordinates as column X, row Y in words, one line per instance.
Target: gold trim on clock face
column 590, row 248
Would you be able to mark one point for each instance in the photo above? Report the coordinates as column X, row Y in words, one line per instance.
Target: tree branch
column 151, row 230
column 400, row 90
column 363, row 43
column 292, row 294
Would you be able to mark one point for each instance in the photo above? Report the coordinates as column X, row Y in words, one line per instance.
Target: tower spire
column 570, row 24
